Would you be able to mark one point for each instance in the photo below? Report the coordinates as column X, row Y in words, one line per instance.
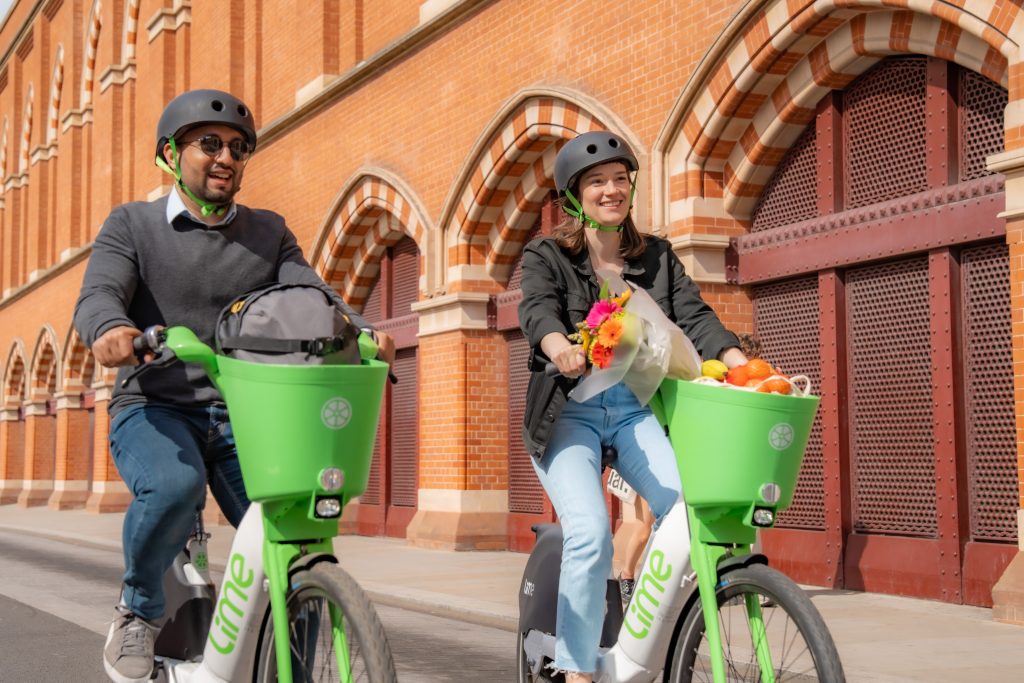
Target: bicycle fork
column 705, row 560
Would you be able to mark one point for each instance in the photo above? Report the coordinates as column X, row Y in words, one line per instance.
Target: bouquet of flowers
column 628, row 338
column 604, row 327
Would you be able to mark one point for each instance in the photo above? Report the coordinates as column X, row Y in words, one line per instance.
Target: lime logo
column 780, row 437
column 336, row 413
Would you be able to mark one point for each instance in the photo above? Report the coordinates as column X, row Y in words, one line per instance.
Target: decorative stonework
column 703, row 256
column 458, row 311
column 76, row 118
column 503, row 188
column 169, row 19
column 460, row 520
column 753, row 97
column 313, row 88
column 374, row 211
column 118, row 74
column 1011, row 165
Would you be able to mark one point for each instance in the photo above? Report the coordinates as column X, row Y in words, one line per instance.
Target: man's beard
column 217, row 197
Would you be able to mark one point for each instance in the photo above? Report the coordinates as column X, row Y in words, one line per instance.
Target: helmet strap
column 206, row 207
column 576, row 210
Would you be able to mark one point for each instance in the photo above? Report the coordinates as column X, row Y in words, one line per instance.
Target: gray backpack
column 289, row 324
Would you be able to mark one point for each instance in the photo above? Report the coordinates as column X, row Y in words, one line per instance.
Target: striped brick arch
column 131, row 28
column 56, row 87
column 507, row 183
column 77, row 365
column 372, row 214
column 14, row 376
column 774, row 64
column 26, row 131
column 44, row 368
column 92, row 41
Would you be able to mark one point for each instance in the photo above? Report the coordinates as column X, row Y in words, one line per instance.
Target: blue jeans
column 166, row 455
column 570, row 472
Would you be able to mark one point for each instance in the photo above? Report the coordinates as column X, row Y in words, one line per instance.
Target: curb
column 424, row 602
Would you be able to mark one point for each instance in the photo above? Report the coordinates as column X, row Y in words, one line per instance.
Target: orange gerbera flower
column 600, row 356
column 610, row 332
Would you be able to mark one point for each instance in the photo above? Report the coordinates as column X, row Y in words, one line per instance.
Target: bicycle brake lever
column 165, row 357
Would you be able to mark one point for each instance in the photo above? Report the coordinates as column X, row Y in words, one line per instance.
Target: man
column 178, row 261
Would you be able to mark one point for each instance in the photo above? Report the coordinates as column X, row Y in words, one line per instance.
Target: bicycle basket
column 732, row 445
column 292, row 421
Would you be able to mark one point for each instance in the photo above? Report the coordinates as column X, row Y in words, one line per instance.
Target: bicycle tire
column 817, row 660
column 314, row 659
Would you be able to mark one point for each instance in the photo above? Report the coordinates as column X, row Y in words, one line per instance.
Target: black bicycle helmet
column 590, row 149
column 202, row 108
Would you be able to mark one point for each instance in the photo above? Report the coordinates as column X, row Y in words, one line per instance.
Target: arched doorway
column 527, row 503
column 389, row 502
column 878, row 266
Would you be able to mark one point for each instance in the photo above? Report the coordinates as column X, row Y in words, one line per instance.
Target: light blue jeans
column 570, row 472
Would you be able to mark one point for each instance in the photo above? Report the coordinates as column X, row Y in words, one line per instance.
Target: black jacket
column 558, row 291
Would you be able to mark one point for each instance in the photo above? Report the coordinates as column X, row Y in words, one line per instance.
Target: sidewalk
column 880, row 638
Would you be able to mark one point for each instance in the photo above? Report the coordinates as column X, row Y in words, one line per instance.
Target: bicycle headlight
column 763, row 517
column 331, row 479
column 771, row 492
column 327, row 508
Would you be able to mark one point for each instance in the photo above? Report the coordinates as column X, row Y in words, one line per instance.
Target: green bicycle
column 722, row 615
column 285, row 610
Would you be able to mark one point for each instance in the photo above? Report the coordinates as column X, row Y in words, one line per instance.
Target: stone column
column 463, row 459
column 71, row 473
column 12, row 454
column 1008, row 592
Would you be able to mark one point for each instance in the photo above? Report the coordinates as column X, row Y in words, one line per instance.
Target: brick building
column 844, row 178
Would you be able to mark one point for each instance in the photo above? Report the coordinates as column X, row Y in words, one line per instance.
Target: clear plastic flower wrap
column 648, row 348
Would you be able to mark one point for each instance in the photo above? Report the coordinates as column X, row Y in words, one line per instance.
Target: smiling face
column 213, row 179
column 604, row 192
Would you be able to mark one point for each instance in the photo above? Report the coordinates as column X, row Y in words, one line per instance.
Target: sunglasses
column 211, row 145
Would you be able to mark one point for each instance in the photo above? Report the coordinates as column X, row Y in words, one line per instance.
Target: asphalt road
column 56, row 599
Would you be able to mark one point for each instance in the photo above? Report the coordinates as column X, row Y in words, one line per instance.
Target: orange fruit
column 775, row 386
column 737, row 376
column 758, row 369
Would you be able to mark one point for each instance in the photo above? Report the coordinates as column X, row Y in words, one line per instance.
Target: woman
column 594, row 177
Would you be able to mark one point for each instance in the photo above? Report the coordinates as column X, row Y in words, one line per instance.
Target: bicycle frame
column 237, row 615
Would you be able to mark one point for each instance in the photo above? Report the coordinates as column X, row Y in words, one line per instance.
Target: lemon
column 714, row 369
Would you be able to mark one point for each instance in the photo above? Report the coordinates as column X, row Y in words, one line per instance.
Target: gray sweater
column 144, row 271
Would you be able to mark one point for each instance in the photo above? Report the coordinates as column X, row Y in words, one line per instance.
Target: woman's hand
column 732, row 357
column 567, row 357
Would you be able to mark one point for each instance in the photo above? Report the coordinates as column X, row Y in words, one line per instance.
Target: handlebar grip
column 151, row 339
column 551, row 370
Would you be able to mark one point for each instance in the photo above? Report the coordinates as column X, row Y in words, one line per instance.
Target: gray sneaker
column 128, row 653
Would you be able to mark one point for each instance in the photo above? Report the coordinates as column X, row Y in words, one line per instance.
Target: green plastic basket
column 292, row 421
column 732, row 445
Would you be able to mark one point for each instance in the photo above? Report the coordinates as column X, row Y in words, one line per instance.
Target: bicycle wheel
column 361, row 648
column 800, row 646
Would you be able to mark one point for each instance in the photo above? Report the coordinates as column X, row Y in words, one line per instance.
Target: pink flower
column 600, row 312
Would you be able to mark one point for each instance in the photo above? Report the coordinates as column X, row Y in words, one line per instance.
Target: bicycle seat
column 608, row 456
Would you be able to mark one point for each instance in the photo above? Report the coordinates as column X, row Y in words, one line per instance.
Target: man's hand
column 114, row 347
column 385, row 347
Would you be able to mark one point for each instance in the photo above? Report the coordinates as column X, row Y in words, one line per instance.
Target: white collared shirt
column 176, row 207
